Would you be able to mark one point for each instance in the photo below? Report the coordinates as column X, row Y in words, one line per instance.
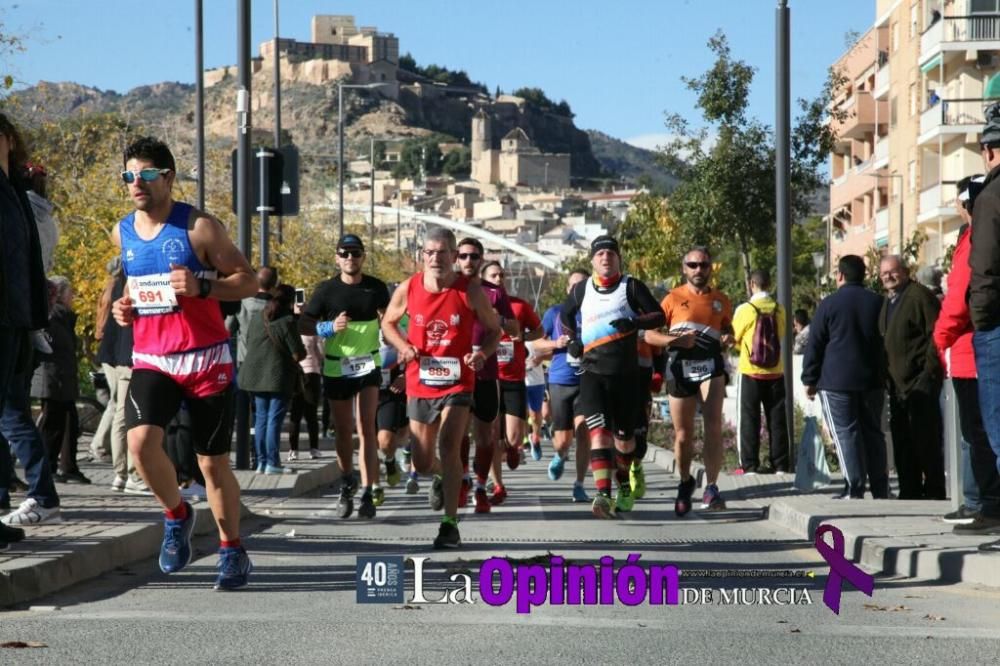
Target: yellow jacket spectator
column 758, row 328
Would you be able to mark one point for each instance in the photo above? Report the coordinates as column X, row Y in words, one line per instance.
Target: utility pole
column 243, row 173
column 277, row 108
column 199, row 110
column 371, row 192
column 782, row 163
column 340, row 154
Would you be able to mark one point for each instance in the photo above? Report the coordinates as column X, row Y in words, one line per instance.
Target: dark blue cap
column 350, row 240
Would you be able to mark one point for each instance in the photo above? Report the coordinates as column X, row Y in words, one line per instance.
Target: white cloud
column 657, row 141
column 650, row 141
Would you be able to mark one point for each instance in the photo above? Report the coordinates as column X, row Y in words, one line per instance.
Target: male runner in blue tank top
column 180, row 263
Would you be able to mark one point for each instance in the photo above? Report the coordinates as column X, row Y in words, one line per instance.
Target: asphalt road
column 301, row 605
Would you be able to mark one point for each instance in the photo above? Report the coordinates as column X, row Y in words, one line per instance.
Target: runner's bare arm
column 684, row 340
column 121, row 309
column 390, row 323
column 214, row 248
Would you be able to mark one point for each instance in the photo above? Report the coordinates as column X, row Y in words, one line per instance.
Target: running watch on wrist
column 204, row 287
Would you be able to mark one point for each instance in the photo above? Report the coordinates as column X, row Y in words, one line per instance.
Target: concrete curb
column 103, row 548
column 910, row 553
column 909, row 546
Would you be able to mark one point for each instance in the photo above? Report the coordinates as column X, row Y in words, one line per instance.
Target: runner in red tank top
column 441, row 366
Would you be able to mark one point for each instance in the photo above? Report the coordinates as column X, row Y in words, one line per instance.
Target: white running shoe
column 137, row 488
column 314, row 454
column 194, row 493
column 118, row 485
column 32, row 513
column 293, row 455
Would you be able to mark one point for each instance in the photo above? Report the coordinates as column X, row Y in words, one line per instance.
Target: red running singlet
column 441, row 330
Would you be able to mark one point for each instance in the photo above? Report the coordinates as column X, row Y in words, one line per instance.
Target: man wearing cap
column 613, row 308
column 345, row 311
column 984, row 285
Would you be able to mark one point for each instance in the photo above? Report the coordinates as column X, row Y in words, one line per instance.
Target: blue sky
column 618, row 64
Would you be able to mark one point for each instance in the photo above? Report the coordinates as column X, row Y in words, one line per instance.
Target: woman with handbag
column 270, row 372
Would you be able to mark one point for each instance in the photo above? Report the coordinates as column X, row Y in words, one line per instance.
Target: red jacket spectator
column 953, row 330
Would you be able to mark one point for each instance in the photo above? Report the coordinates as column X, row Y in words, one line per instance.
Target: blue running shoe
column 556, row 468
column 579, row 494
column 536, row 451
column 175, row 552
column 712, row 499
column 234, row 568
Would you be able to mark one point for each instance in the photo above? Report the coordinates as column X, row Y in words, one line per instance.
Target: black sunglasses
column 344, row 254
column 469, row 255
column 698, row 264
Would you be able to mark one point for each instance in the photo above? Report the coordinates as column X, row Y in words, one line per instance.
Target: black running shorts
column 486, row 400
column 345, row 388
column 514, row 399
column 608, row 402
column 391, row 412
column 564, row 404
column 154, row 398
column 687, row 375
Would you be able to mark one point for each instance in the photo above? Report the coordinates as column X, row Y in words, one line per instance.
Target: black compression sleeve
column 569, row 309
column 641, row 300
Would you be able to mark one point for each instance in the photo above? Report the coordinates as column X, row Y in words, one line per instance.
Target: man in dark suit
column 914, row 381
column 845, row 364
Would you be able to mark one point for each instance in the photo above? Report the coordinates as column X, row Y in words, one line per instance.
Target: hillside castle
column 341, row 50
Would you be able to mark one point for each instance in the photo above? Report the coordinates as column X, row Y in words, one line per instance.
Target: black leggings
column 301, row 408
column 60, row 430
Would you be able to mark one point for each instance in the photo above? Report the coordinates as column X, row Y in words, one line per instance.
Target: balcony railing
column 882, row 80
column 882, row 221
column 974, row 28
column 950, row 112
column 882, row 150
column 938, row 195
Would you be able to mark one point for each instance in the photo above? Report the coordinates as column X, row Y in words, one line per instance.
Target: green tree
column 457, row 163
column 536, row 97
column 417, row 153
column 650, row 241
column 726, row 193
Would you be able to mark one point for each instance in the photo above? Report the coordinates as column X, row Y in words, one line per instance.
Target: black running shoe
column 682, row 505
column 345, row 506
column 980, row 525
column 963, row 516
column 447, row 537
column 367, row 508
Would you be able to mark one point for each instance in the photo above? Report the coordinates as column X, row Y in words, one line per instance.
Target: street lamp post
column 340, row 141
column 819, row 259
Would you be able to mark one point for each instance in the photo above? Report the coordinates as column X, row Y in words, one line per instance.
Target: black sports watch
column 204, row 287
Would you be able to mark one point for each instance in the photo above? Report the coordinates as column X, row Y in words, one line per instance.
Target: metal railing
column 971, row 28
column 954, row 112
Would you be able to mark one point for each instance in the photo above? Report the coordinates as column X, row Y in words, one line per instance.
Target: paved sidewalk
column 102, row 530
column 905, row 538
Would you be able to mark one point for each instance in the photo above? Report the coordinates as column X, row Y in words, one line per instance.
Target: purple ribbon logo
column 840, row 568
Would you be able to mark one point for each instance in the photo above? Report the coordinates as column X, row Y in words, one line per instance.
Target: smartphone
column 300, row 296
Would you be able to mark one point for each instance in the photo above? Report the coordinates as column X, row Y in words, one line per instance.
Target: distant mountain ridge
column 309, row 116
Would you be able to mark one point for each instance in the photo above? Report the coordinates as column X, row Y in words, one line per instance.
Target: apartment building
column 917, row 84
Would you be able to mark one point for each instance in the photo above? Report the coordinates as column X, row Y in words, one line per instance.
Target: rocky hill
column 309, row 119
column 632, row 163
